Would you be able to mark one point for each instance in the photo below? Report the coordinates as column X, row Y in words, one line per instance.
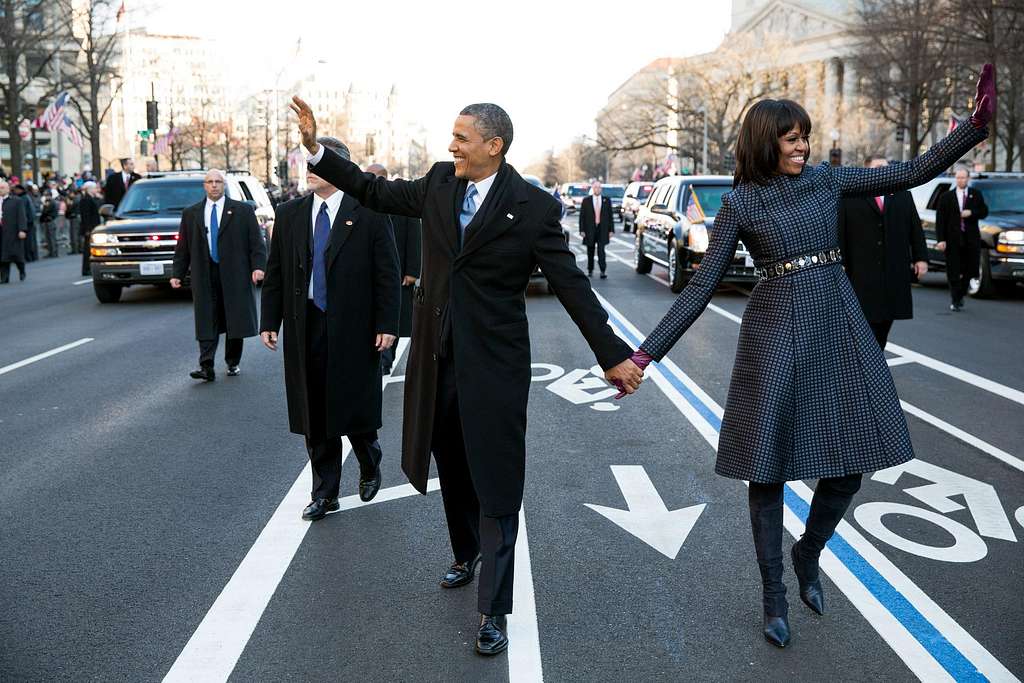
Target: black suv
column 1002, row 232
column 136, row 244
column 674, row 227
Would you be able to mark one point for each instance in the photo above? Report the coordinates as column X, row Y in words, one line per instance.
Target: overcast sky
column 550, row 64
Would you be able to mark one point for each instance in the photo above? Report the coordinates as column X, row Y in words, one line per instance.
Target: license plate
column 151, row 268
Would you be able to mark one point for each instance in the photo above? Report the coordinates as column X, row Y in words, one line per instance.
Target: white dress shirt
column 207, row 208
column 597, row 208
column 961, row 197
column 333, row 204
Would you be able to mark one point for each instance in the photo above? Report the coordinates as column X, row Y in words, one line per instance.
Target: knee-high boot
column 766, row 522
column 831, row 499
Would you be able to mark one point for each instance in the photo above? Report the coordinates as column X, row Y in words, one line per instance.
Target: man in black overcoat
column 956, row 230
column 407, row 240
column 118, row 183
column 468, row 377
column 333, row 281
column 221, row 245
column 883, row 247
column 13, row 233
column 89, row 211
column 596, row 227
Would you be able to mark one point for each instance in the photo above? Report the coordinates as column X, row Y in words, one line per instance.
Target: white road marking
column 82, row 282
column 524, row 662
column 214, row 648
column 898, row 360
column 894, row 632
column 968, row 439
column 46, row 354
column 951, row 370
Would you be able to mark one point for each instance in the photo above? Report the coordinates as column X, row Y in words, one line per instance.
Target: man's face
column 962, row 177
column 5, row 189
column 474, row 157
column 595, row 187
column 128, row 165
column 214, row 185
column 315, row 182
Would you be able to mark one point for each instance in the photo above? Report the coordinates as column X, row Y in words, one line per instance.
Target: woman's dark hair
column 757, row 148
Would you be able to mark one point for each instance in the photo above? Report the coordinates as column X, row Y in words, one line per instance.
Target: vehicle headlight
column 104, row 238
column 698, row 238
column 1010, row 242
column 1011, row 236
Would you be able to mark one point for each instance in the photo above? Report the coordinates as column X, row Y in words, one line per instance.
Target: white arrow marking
column 647, row 517
column 575, row 385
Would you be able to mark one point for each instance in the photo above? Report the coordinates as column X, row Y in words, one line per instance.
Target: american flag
column 69, row 129
column 53, row 118
column 163, row 143
column 694, row 212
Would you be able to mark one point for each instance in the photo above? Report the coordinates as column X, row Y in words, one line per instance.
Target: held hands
column 307, row 124
column 257, row 277
column 627, row 375
column 985, row 99
column 384, row 341
column 269, row 340
column 175, row 283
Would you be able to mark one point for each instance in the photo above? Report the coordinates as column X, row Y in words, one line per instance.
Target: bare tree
column 31, row 36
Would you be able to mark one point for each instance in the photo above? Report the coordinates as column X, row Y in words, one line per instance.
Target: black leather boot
column 831, row 499
column 766, row 523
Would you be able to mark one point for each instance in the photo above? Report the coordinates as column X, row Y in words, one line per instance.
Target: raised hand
column 985, row 99
column 307, row 124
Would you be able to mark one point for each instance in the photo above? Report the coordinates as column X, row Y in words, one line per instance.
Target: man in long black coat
column 89, row 211
column 596, row 227
column 956, row 230
column 118, row 183
column 13, row 233
column 468, row 378
column 883, row 246
column 407, row 240
column 333, row 280
column 221, row 245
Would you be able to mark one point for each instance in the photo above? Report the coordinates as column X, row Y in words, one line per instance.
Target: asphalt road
column 149, row 525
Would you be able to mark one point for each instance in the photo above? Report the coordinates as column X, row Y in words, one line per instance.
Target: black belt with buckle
column 790, row 266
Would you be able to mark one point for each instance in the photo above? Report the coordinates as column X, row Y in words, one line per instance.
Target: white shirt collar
column 219, row 203
column 482, row 188
column 333, row 204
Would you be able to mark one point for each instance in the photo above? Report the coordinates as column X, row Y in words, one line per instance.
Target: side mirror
column 107, row 211
column 660, row 208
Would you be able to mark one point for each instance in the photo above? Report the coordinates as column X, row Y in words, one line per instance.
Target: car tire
column 107, row 294
column 984, row 287
column 641, row 263
column 676, row 278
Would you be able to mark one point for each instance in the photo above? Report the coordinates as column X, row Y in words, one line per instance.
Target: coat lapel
column 448, row 194
column 501, row 215
column 226, row 215
column 304, row 223
column 343, row 226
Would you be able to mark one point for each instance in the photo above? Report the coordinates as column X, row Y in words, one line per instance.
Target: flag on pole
column 71, row 131
column 694, row 212
column 53, row 117
column 164, row 142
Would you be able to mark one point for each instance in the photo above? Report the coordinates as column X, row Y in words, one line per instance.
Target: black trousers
column 601, row 261
column 86, row 270
column 881, row 330
column 962, row 260
column 471, row 532
column 208, row 347
column 5, row 270
column 325, row 452
column 387, row 358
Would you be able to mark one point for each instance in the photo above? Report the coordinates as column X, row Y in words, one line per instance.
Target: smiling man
column 468, row 379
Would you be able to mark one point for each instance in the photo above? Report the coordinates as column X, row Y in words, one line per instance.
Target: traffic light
column 152, row 119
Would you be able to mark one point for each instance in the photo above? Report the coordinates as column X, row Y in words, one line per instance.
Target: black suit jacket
column 477, row 291
column 587, row 225
column 362, row 301
column 879, row 249
column 407, row 239
column 115, row 189
column 947, row 217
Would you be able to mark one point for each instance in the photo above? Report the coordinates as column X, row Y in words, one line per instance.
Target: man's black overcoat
column 242, row 250
column 878, row 251
column 477, row 292
column 362, row 301
column 589, row 228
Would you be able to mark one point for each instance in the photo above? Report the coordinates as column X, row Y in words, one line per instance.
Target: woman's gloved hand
column 985, row 99
column 640, row 359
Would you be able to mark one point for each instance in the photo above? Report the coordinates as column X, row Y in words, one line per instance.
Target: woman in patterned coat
column 811, row 396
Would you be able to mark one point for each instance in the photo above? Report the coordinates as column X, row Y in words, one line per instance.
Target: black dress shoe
column 369, row 485
column 205, row 374
column 810, row 589
column 234, row 371
column 21, row 275
column 319, row 508
column 604, row 276
column 460, row 574
column 776, row 630
column 492, row 638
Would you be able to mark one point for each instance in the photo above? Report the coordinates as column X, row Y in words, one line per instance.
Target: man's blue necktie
column 213, row 235
column 321, row 235
column 468, row 210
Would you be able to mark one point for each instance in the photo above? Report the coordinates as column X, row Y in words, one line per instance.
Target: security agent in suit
column 956, row 229
column 13, row 233
column 468, row 378
column 883, row 246
column 221, row 245
column 117, row 184
column 596, row 227
column 333, row 281
column 407, row 239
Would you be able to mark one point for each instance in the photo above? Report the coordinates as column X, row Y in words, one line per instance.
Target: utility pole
column 704, row 153
column 152, row 120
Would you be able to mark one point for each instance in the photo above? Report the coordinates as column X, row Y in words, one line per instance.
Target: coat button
column 435, row 356
column 297, row 291
column 437, row 311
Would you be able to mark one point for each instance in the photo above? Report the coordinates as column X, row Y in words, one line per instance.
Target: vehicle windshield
column 613, row 191
column 710, row 197
column 578, row 190
column 1003, row 197
column 147, row 198
column 644, row 191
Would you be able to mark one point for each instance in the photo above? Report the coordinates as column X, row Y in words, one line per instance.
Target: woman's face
column 794, row 148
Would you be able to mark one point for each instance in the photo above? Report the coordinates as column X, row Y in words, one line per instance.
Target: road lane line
column 524, row 662
column 46, row 354
column 214, row 648
column 967, row 438
column 930, row 642
column 969, row 377
column 899, row 360
column 82, row 282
